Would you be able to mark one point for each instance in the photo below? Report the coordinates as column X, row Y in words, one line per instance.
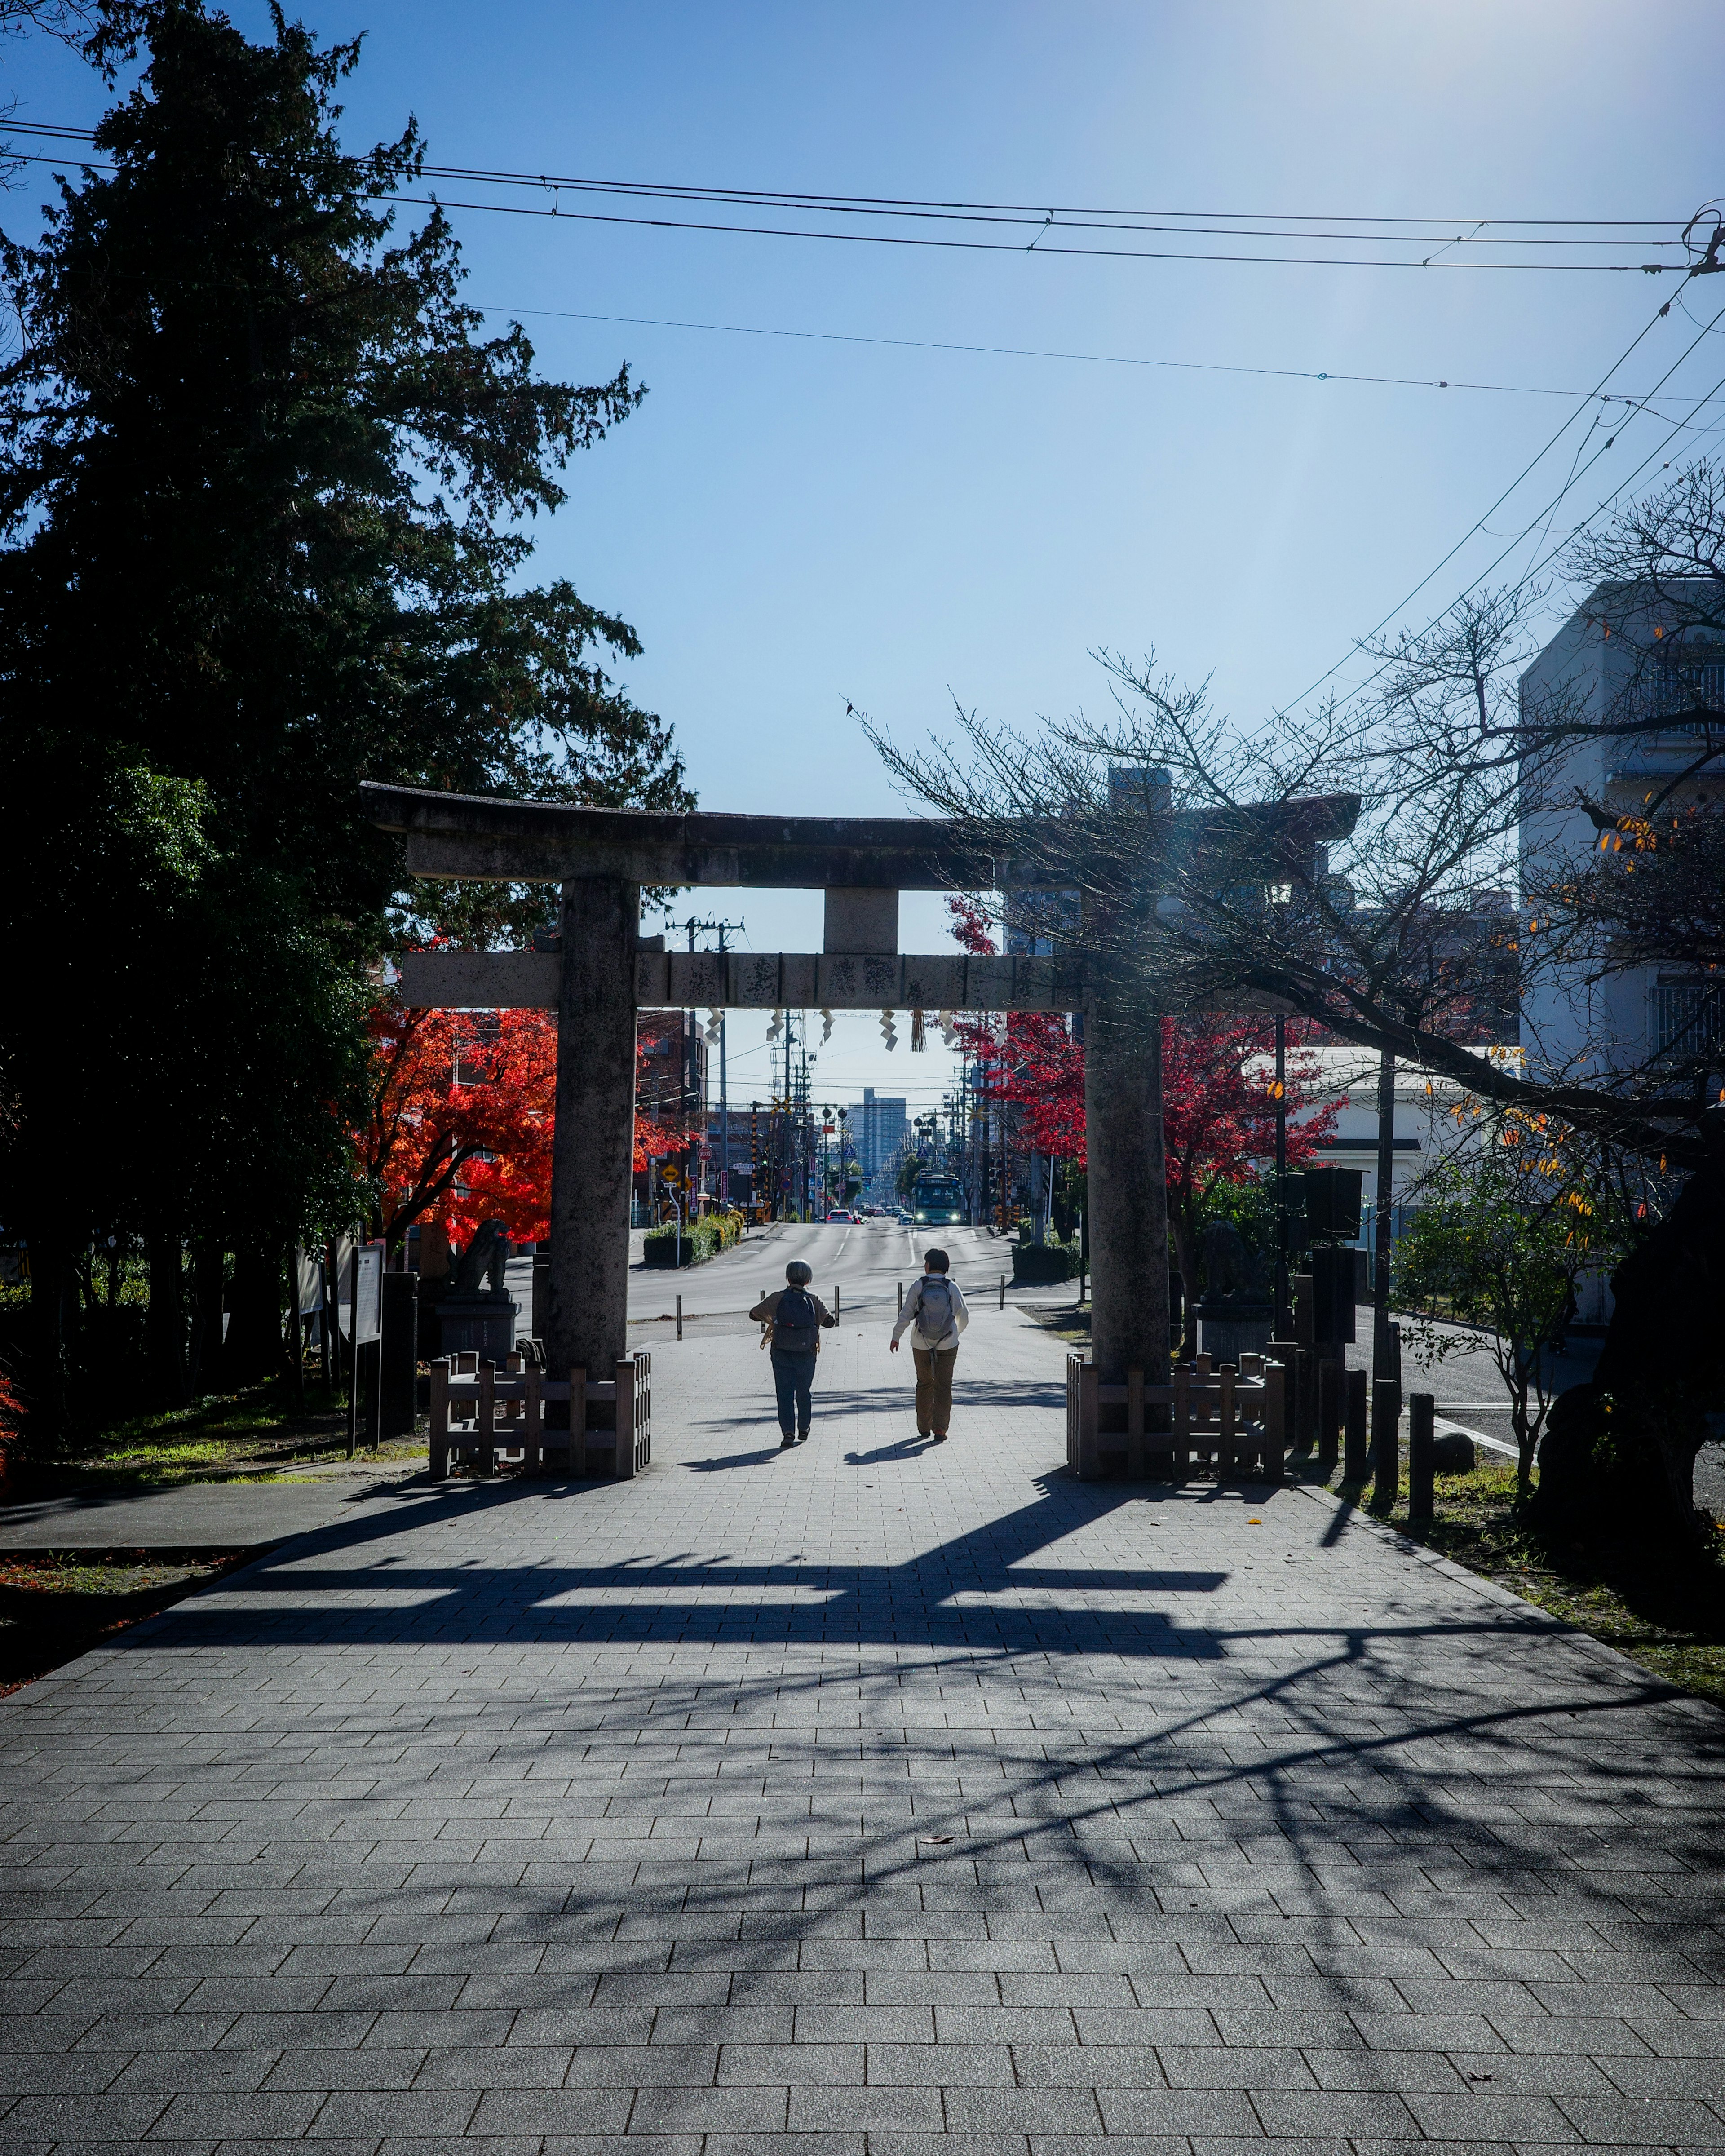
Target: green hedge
column 702, row 1241
column 1035, row 1264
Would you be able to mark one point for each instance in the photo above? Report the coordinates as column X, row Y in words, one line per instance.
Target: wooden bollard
column 1002, row 1291
column 1287, row 1353
column 1330, row 1375
column 1386, row 1443
column 838, row 1300
column 1275, row 1426
column 1422, row 1408
column 679, row 1317
column 487, row 1433
column 533, row 1422
column 1225, row 1421
column 577, row 1420
column 1354, row 1451
column 439, row 1421
column 1183, row 1422
column 1135, row 1466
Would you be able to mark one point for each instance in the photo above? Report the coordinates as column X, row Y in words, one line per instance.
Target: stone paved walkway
column 881, row 1796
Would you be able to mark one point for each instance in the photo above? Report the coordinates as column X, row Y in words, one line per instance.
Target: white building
column 1617, row 660
column 1424, row 1129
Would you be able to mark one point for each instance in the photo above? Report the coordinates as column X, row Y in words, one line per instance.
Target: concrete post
column 1127, row 1194
column 593, row 1151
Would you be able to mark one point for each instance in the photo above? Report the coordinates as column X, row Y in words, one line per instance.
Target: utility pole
column 1385, row 1224
column 721, row 929
column 1282, row 1321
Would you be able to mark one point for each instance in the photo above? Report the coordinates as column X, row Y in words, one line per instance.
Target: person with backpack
column 793, row 1319
column 935, row 1308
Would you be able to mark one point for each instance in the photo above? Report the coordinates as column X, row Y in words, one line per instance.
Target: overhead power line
column 1578, row 471
column 1431, row 243
column 813, row 198
column 1042, row 245
column 1090, row 358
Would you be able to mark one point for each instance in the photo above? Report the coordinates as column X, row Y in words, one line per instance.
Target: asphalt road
column 1469, row 1392
column 864, row 1264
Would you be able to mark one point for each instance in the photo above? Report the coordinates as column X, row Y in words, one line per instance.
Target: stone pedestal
column 1226, row 1331
column 482, row 1325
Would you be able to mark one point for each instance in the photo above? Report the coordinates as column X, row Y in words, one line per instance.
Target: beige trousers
column 934, row 1388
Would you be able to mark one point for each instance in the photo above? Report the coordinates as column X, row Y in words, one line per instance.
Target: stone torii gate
column 602, row 972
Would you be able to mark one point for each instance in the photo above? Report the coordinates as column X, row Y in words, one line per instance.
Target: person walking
column 793, row 1318
column 935, row 1308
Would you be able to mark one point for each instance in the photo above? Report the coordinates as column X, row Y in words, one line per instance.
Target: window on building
column 1691, row 689
column 1688, row 1017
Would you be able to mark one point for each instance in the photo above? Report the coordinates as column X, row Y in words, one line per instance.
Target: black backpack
column 795, row 1322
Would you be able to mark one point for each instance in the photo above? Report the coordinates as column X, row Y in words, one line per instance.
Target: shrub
column 1035, row 1264
column 700, row 1240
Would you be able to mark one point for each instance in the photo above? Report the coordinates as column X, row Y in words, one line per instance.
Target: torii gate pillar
column 1128, row 1192
column 593, row 1150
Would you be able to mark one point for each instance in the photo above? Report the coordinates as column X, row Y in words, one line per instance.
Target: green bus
column 938, row 1201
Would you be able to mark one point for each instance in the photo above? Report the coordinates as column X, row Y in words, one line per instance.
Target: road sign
column 669, row 1174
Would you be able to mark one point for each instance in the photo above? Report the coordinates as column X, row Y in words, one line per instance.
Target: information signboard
column 369, row 1259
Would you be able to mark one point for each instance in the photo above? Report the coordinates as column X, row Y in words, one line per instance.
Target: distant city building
column 878, row 1130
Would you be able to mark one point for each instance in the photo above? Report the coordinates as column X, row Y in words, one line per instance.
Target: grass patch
column 1067, row 1320
column 55, row 1608
column 251, row 1435
column 1663, row 1608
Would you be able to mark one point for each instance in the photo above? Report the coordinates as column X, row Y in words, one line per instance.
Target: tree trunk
column 165, row 1325
column 294, row 1334
column 203, row 1356
column 252, row 1350
column 1186, row 1258
column 45, row 1374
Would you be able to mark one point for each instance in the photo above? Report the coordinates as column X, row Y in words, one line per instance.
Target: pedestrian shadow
column 887, row 1397
column 906, row 1448
column 773, row 1452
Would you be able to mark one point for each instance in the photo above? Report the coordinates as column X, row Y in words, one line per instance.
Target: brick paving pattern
column 878, row 1796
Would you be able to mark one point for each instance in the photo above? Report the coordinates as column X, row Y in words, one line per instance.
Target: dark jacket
column 765, row 1310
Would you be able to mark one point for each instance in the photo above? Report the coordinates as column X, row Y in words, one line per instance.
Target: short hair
column 937, row 1261
column 798, row 1274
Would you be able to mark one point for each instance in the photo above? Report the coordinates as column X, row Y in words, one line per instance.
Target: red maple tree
column 1030, row 1061
column 463, row 1106
column 1218, row 1099
column 1219, row 1118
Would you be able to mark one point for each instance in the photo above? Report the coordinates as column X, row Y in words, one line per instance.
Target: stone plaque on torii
column 602, row 858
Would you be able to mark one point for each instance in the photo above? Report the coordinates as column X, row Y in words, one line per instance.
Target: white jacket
column 911, row 1314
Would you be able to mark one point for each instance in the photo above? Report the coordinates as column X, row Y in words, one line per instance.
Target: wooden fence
column 1235, row 1421
column 485, row 1415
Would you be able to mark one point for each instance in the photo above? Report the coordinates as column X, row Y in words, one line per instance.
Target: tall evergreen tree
column 264, row 487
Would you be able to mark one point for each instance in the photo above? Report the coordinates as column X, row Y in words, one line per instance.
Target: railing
column 487, row 1416
column 1235, row 1419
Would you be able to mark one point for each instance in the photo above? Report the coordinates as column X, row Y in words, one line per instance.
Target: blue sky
column 793, row 523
